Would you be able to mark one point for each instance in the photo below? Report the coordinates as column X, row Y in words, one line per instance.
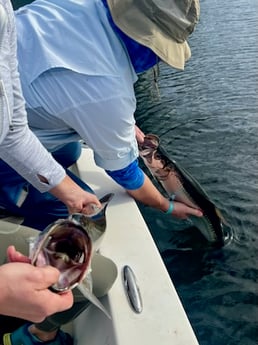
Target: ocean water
column 207, row 119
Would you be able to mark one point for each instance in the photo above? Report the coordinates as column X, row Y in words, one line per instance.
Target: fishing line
column 196, row 120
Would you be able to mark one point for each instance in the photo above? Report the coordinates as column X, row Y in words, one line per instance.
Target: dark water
column 207, row 118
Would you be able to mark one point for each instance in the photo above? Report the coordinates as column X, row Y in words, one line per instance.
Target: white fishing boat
column 128, row 242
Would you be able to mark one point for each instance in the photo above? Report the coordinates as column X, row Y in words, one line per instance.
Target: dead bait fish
column 181, row 186
column 68, row 245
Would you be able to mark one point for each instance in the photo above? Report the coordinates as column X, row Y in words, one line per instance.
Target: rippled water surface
column 207, row 118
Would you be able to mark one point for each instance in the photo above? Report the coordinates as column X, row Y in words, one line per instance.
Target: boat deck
column 128, row 242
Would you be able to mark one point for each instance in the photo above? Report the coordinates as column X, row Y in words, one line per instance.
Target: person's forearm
column 22, row 150
column 150, row 196
column 140, row 187
column 75, row 198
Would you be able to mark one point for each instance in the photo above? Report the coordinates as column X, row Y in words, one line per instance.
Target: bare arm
column 74, row 197
column 149, row 195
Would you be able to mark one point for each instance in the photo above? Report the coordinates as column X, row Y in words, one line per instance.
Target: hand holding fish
column 187, row 194
column 139, row 135
column 182, row 211
column 24, row 289
column 74, row 197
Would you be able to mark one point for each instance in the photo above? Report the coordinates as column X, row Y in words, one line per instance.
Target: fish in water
column 68, row 244
column 181, row 186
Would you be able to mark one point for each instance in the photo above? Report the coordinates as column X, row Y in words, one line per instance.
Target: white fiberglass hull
column 128, row 242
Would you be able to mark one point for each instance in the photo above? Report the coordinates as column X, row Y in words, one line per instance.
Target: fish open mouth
column 66, row 246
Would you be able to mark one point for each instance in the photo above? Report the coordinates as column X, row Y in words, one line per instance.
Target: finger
column 196, row 212
column 45, row 276
column 139, row 135
column 61, row 301
column 14, row 256
column 90, row 208
column 96, row 202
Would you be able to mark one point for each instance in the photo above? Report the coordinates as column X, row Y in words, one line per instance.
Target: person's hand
column 74, row 197
column 24, row 289
column 183, row 211
column 139, row 135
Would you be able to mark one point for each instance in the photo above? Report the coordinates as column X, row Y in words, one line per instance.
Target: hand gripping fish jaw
column 68, row 245
column 95, row 223
column 179, row 185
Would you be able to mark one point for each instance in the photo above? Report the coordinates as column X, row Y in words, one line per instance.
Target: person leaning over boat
column 24, row 288
column 78, row 71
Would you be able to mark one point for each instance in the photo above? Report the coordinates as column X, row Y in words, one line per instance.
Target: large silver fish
column 68, row 244
column 181, row 186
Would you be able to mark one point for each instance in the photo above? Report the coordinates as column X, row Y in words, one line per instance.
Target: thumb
column 46, row 276
column 14, row 256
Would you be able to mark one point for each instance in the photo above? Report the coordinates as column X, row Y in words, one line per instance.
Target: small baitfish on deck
column 181, row 186
column 68, row 244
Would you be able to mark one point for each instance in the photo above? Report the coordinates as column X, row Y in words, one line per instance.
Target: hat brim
column 139, row 27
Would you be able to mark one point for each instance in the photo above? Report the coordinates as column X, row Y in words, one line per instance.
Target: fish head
column 151, row 141
column 66, row 246
column 95, row 223
column 148, row 147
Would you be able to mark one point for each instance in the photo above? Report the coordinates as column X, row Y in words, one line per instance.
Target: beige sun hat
column 161, row 25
